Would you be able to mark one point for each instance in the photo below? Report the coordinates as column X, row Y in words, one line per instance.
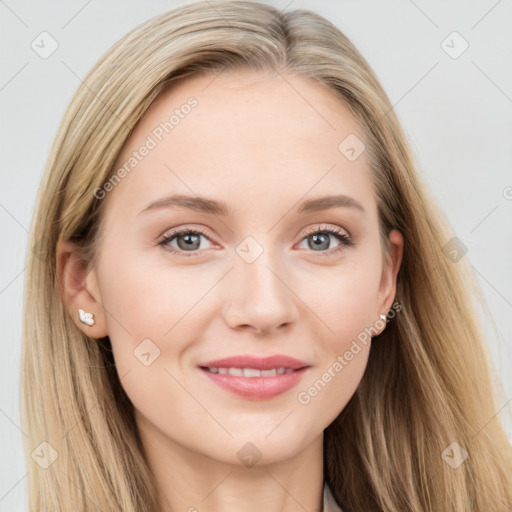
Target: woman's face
column 253, row 274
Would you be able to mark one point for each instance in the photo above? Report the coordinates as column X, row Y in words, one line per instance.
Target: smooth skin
column 262, row 143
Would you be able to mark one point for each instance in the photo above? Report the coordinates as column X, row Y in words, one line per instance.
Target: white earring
column 383, row 317
column 85, row 318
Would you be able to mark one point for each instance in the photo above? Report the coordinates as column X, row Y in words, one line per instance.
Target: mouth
column 255, row 378
column 249, row 372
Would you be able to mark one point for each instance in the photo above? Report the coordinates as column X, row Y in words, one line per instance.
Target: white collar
column 329, row 504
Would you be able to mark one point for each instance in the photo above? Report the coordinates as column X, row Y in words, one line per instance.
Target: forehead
column 242, row 137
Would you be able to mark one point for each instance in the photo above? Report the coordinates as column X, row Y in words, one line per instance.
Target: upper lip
column 258, row 363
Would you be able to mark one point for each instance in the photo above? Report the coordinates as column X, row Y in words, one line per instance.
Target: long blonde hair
column 428, row 382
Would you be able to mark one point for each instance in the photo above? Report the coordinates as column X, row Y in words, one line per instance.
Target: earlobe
column 79, row 290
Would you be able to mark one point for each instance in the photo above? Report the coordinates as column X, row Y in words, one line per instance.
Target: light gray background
column 456, row 113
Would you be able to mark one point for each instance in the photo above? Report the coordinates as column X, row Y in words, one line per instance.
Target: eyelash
column 345, row 240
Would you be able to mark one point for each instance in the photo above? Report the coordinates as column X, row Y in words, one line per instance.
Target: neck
column 194, row 482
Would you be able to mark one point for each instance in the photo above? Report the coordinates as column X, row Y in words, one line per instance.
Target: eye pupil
column 317, row 241
column 189, row 239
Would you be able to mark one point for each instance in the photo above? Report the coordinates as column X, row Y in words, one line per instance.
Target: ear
column 387, row 288
column 79, row 289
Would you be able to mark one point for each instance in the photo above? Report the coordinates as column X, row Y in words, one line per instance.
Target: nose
column 261, row 296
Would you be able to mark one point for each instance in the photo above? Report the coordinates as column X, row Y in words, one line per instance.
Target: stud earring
column 85, row 318
column 383, row 317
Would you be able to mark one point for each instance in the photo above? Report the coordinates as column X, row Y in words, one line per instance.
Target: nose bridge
column 260, row 266
column 260, row 295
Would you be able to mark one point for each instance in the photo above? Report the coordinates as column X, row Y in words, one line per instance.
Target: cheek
column 147, row 301
column 151, row 312
column 343, row 299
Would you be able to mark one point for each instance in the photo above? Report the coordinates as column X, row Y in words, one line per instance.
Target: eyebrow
column 214, row 207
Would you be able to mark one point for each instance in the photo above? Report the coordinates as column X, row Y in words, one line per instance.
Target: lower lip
column 257, row 388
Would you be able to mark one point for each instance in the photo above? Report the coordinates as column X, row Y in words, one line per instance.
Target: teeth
column 251, row 372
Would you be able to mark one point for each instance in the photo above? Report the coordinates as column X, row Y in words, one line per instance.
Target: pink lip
column 259, row 363
column 256, row 388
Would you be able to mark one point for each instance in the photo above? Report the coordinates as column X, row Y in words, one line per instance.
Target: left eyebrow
column 326, row 202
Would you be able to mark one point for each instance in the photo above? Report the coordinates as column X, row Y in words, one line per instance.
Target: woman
column 240, row 298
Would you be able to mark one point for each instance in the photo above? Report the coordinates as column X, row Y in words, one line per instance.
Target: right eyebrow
column 199, row 204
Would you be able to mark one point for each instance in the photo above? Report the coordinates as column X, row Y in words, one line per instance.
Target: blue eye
column 319, row 237
column 189, row 240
